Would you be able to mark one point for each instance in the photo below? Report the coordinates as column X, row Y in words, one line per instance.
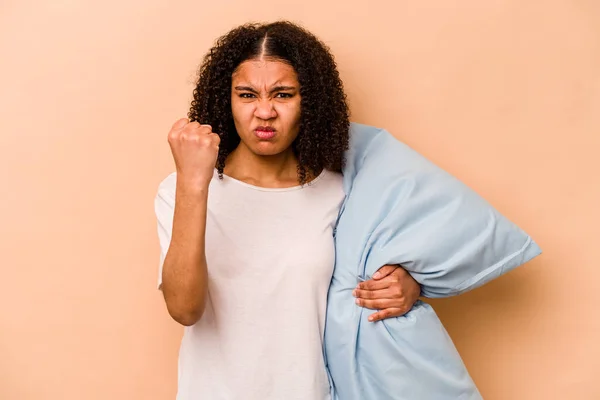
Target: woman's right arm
column 184, row 272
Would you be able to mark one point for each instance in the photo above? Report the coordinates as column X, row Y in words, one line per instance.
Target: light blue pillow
column 402, row 209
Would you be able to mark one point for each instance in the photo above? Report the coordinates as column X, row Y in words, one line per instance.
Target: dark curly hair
column 324, row 113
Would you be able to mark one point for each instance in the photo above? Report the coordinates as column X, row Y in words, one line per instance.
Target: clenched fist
column 195, row 149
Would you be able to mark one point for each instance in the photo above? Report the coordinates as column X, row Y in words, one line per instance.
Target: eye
column 246, row 95
column 284, row 95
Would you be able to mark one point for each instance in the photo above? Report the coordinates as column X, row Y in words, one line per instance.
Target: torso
column 270, row 256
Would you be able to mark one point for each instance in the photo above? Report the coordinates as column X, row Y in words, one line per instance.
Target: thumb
column 384, row 271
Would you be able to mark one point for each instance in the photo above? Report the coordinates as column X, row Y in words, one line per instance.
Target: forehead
column 264, row 72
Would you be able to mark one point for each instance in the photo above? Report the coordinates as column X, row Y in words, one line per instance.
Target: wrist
column 192, row 187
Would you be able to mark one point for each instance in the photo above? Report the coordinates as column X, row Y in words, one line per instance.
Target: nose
column 265, row 110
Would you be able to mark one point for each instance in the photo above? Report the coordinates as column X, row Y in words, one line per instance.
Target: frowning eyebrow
column 275, row 89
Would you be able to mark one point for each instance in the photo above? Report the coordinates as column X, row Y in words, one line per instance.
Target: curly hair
column 324, row 112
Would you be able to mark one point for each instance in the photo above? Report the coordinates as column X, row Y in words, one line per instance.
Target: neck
column 278, row 170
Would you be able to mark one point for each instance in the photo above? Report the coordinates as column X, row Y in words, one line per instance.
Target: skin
column 184, row 279
column 265, row 92
column 392, row 292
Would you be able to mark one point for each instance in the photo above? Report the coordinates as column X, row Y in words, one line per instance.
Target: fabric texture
column 270, row 256
column 402, row 209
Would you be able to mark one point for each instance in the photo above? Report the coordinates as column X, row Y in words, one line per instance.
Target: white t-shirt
column 270, row 256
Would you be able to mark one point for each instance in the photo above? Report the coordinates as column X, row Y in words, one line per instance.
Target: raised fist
column 195, row 149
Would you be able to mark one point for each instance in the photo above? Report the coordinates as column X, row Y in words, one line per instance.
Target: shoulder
column 331, row 177
column 168, row 183
column 166, row 190
column 328, row 182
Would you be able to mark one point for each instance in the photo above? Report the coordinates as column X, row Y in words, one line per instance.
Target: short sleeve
column 164, row 207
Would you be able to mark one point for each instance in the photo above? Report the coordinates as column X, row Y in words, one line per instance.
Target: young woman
column 246, row 222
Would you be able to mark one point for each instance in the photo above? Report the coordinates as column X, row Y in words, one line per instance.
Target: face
column 265, row 101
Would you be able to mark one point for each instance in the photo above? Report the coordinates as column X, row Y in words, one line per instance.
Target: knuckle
column 194, row 137
column 189, row 128
column 187, row 137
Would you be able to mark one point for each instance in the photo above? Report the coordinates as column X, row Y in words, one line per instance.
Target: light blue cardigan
column 402, row 209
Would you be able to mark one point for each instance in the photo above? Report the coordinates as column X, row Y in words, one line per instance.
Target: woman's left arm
column 391, row 291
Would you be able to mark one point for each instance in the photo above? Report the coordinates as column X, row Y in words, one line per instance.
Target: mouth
column 265, row 132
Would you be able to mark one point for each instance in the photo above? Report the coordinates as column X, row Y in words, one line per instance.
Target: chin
column 267, row 148
column 264, row 151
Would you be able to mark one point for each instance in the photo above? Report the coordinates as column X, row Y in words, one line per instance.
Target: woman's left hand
column 391, row 291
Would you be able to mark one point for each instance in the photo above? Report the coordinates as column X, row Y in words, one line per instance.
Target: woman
column 246, row 222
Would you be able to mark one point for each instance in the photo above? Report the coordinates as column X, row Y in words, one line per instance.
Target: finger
column 203, row 129
column 195, row 129
column 375, row 285
column 372, row 294
column 379, row 304
column 384, row 271
column 179, row 124
column 387, row 313
column 192, row 126
column 216, row 139
column 399, row 272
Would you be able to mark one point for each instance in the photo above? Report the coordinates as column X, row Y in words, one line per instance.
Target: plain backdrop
column 504, row 94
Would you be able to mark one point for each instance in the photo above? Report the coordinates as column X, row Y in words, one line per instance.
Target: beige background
column 503, row 94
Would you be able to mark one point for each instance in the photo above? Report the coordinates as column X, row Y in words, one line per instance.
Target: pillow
column 402, row 209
